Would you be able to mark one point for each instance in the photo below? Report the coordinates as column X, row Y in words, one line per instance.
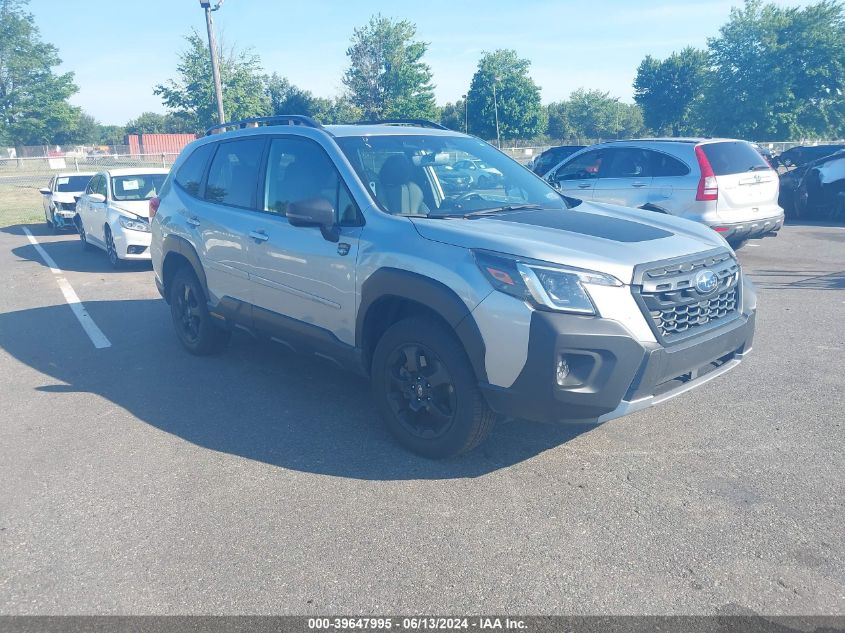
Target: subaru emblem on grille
column 706, row 281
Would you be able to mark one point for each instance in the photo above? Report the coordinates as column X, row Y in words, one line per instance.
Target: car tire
column 483, row 182
column 80, row 227
column 426, row 390
column 737, row 244
column 194, row 325
column 111, row 249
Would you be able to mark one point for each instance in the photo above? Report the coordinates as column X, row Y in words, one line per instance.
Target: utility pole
column 215, row 65
column 496, row 110
column 466, row 114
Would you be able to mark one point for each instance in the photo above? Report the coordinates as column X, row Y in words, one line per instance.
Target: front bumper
column 610, row 373
column 132, row 245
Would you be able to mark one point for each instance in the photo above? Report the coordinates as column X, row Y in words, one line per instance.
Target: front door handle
column 638, row 185
column 585, row 185
column 193, row 221
column 259, row 236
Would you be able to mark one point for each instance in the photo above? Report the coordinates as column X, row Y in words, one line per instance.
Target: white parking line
column 94, row 333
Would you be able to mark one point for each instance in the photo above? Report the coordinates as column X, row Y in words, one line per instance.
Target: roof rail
column 416, row 122
column 281, row 119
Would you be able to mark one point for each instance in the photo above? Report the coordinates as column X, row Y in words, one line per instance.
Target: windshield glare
column 136, row 187
column 443, row 175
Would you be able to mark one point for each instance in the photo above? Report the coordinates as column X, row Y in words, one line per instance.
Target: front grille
column 673, row 304
column 67, row 206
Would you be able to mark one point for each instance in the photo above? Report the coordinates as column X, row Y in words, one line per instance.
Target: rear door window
column 626, row 162
column 733, row 157
column 663, row 165
column 233, row 174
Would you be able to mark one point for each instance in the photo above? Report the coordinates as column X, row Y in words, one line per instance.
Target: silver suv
column 723, row 183
column 462, row 305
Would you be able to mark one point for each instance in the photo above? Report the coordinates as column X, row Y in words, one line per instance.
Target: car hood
column 140, row 208
column 595, row 236
column 65, row 196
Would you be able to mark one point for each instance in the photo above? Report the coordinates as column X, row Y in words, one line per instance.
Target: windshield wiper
column 758, row 167
column 507, row 207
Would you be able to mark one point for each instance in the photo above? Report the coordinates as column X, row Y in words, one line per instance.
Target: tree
column 559, row 126
column 386, row 75
column 285, row 98
column 155, row 123
column 191, row 96
column 779, row 72
column 669, row 92
column 520, row 112
column 453, row 115
column 593, row 114
column 33, row 98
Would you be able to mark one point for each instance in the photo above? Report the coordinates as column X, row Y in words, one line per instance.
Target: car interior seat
column 400, row 193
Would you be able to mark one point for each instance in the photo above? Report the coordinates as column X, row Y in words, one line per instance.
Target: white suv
column 723, row 183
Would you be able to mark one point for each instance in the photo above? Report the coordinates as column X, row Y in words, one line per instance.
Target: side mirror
column 97, row 198
column 314, row 212
column 45, row 191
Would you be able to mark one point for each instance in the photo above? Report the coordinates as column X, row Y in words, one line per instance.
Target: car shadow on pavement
column 798, row 280
column 66, row 250
column 255, row 400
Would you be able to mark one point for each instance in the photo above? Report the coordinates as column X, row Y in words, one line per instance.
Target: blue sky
column 119, row 49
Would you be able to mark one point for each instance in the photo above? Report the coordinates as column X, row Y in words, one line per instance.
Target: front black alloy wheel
column 111, row 249
column 82, row 237
column 427, row 391
column 421, row 394
column 193, row 323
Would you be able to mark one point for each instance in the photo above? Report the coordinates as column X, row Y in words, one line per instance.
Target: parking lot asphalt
column 137, row 479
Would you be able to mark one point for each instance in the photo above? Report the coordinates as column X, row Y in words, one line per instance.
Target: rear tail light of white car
column 708, row 188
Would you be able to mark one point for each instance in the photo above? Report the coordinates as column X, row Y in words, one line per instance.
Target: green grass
column 20, row 205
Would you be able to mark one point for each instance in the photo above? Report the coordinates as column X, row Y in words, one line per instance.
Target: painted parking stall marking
column 94, row 333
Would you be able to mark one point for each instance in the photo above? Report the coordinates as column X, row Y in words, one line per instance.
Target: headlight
column 545, row 285
column 133, row 225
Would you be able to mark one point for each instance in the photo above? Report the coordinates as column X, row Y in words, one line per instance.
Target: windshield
column 443, row 175
column 136, row 187
column 72, row 184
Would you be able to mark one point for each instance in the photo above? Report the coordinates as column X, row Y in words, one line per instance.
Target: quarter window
column 233, row 175
column 190, row 173
column 299, row 169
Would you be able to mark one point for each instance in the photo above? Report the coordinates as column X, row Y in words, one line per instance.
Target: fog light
column 561, row 372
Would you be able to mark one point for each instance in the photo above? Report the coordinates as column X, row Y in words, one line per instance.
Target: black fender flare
column 181, row 246
column 403, row 284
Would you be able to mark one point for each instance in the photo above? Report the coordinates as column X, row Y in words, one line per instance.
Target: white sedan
column 59, row 198
column 114, row 212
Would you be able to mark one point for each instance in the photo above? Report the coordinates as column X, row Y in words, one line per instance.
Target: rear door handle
column 585, row 185
column 638, row 185
column 259, row 236
column 193, row 221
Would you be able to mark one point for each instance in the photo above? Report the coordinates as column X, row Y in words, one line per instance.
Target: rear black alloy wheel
column 420, row 391
column 426, row 389
column 193, row 323
column 111, row 249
